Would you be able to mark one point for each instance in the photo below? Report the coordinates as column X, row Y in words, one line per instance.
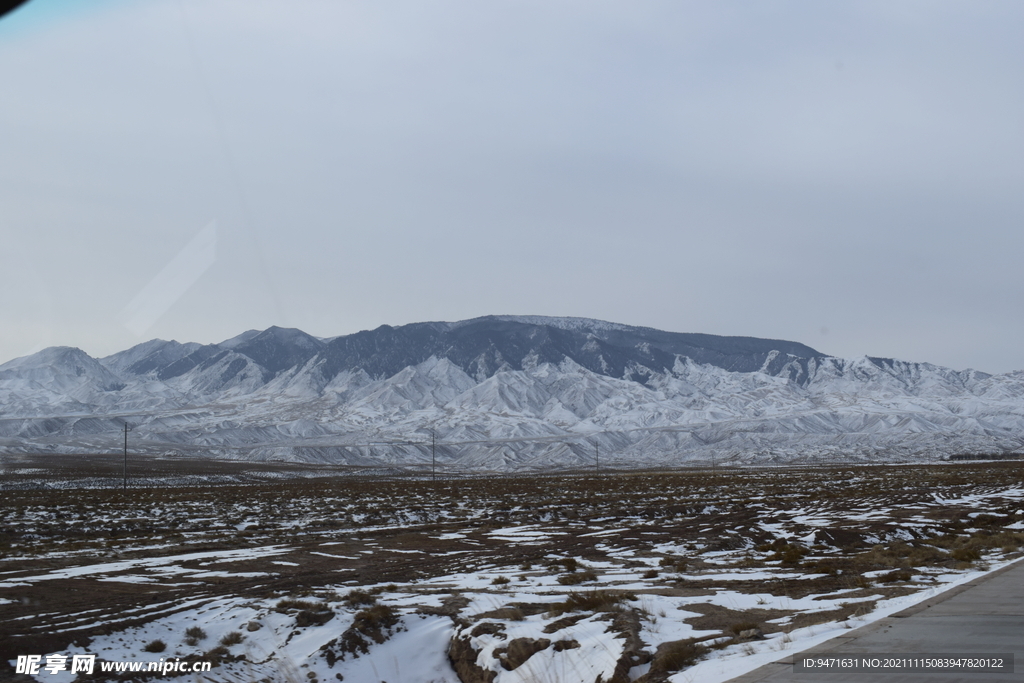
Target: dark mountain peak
column 203, row 355
column 481, row 346
column 291, row 333
column 279, row 348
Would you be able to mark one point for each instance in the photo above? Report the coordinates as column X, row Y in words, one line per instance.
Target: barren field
column 299, row 574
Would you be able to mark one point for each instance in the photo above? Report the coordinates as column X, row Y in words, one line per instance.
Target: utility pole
column 126, row 430
column 597, row 457
column 433, row 455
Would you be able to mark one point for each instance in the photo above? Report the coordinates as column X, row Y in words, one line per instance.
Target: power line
column 126, row 430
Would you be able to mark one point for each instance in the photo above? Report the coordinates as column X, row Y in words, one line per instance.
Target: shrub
column 789, row 554
column 233, row 638
column 965, row 555
column 289, row 604
column 676, row 563
column 676, row 655
column 217, row 655
column 514, row 614
column 569, row 563
column 590, row 601
column 923, row 555
column 651, row 574
column 896, row 575
column 155, row 646
column 193, row 634
column 899, row 555
column 311, row 613
column 577, row 577
column 357, row 597
column 307, row 617
column 500, row 581
column 371, row 625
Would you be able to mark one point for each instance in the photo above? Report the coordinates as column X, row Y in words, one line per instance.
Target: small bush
column 1005, row 539
column 577, row 577
column 822, row 568
column 673, row 562
column 789, row 554
column 233, row 638
column 500, row 581
column 195, row 632
column 310, row 613
column 217, row 655
column 590, row 601
column 570, row 564
column 306, row 617
column 371, row 625
column 155, row 646
column 357, row 598
column 749, row 562
column 895, row 575
column 924, row 555
column 289, row 604
column 900, row 555
column 676, row 656
column 377, row 617
column 651, row 574
column 514, row 614
column 965, row 555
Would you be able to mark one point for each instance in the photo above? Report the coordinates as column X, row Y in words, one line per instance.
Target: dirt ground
column 310, row 528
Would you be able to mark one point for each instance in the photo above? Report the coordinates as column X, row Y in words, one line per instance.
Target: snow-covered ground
column 697, row 576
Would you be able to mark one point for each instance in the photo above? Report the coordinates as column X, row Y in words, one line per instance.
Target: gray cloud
column 765, row 170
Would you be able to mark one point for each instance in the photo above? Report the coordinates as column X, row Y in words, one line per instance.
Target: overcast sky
column 846, row 175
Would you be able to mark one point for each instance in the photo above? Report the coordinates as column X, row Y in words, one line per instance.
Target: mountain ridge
column 525, row 391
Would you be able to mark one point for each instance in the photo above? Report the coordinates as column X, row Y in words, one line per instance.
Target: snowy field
column 649, row 576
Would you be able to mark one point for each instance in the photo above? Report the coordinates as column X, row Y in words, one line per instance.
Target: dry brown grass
column 591, row 601
column 676, row 655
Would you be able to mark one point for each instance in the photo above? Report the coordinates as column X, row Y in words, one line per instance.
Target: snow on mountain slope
column 57, row 379
column 147, row 357
column 563, row 323
column 432, row 382
column 506, row 392
column 277, row 348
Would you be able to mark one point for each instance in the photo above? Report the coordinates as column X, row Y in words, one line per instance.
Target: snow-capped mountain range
column 504, row 393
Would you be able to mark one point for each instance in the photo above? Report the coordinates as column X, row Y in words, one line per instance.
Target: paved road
column 983, row 616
